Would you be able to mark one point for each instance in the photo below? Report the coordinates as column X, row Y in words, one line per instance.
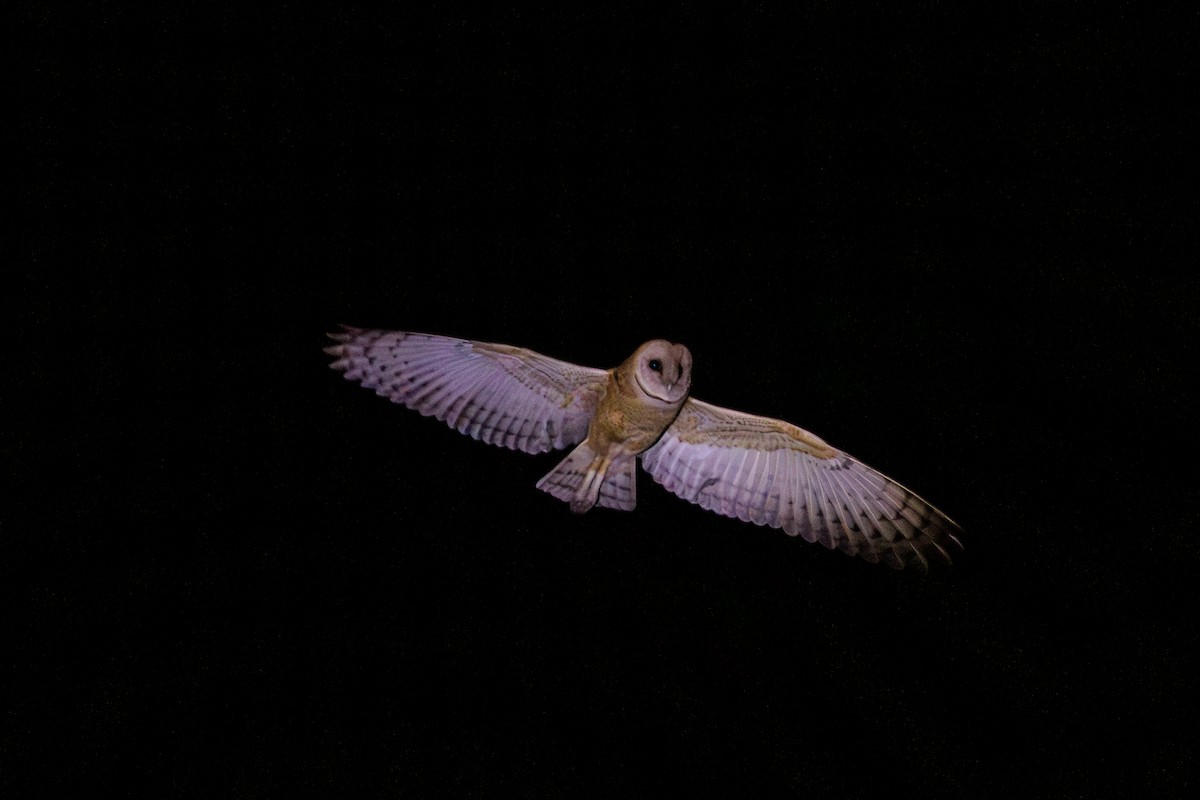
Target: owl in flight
column 757, row 469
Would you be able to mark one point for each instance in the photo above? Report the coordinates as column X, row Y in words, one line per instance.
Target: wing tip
column 937, row 548
column 339, row 350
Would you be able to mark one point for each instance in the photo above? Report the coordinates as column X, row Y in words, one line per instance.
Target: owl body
column 754, row 468
column 641, row 398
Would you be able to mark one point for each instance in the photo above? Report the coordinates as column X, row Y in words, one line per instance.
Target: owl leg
column 589, row 488
column 585, row 479
column 569, row 480
column 619, row 487
column 612, row 484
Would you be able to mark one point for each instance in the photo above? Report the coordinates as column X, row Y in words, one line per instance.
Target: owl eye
column 655, row 365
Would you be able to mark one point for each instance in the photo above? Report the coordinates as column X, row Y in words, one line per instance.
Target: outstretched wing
column 498, row 394
column 770, row 472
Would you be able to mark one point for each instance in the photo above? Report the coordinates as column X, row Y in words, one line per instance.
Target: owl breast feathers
column 754, row 468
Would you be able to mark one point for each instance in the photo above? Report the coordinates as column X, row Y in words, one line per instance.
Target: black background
column 960, row 245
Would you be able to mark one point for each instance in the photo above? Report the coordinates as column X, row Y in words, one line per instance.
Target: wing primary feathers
column 501, row 395
column 772, row 473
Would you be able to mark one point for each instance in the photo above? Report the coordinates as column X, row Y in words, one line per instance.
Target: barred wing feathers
column 770, row 472
column 502, row 395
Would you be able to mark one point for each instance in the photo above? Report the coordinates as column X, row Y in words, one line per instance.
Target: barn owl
column 754, row 468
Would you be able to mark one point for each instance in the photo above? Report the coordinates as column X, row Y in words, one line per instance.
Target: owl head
column 663, row 371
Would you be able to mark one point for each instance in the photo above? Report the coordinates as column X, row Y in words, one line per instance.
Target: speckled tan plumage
column 753, row 468
column 637, row 405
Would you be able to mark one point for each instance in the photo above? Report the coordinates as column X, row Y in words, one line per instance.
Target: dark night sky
column 951, row 244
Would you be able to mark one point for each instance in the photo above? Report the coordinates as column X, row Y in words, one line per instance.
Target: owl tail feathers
column 585, row 479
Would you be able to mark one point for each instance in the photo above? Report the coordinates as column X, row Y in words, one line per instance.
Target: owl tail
column 585, row 479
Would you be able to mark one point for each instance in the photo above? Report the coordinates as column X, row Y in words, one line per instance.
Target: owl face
column 663, row 370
